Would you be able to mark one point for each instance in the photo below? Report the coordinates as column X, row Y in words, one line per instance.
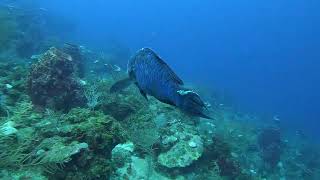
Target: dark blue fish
column 155, row 78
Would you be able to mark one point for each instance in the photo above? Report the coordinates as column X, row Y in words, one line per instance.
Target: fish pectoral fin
column 141, row 91
column 167, row 102
column 120, row 85
column 143, row 94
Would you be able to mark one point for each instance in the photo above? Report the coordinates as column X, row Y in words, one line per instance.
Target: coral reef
column 270, row 144
column 182, row 154
column 12, row 83
column 56, row 144
column 53, row 83
column 183, row 146
column 31, row 173
column 130, row 166
column 221, row 153
column 120, row 106
column 54, row 125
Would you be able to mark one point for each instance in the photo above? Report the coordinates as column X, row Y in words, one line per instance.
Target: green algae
column 94, row 127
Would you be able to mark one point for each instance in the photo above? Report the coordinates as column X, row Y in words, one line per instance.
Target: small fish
column 113, row 67
column 43, row 9
column 154, row 77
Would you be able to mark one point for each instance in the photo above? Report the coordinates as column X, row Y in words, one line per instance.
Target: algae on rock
column 57, row 150
column 130, row 166
column 53, row 82
column 183, row 153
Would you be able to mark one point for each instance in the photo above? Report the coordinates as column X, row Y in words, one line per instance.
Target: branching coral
column 142, row 131
column 53, row 153
column 92, row 95
column 12, row 153
column 23, row 114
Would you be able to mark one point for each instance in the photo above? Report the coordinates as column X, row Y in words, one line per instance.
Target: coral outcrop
column 130, row 166
column 53, row 83
column 58, row 144
column 84, row 132
column 12, row 83
column 55, row 150
column 187, row 148
column 269, row 142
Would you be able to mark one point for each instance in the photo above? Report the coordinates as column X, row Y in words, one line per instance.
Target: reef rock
column 183, row 153
column 180, row 143
column 57, row 150
column 122, row 153
column 53, row 83
column 130, row 166
column 118, row 110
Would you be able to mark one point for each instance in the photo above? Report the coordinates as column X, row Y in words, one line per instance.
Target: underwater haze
column 215, row 89
column 265, row 55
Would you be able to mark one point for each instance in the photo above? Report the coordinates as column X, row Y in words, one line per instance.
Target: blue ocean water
column 255, row 64
column 264, row 54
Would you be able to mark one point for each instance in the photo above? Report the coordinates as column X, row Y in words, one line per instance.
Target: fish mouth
column 192, row 103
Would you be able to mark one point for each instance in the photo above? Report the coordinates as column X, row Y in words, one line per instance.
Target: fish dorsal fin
column 172, row 75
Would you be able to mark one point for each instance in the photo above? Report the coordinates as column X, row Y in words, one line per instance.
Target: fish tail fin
column 192, row 103
column 120, row 85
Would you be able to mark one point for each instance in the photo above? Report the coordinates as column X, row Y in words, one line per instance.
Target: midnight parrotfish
column 155, row 78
